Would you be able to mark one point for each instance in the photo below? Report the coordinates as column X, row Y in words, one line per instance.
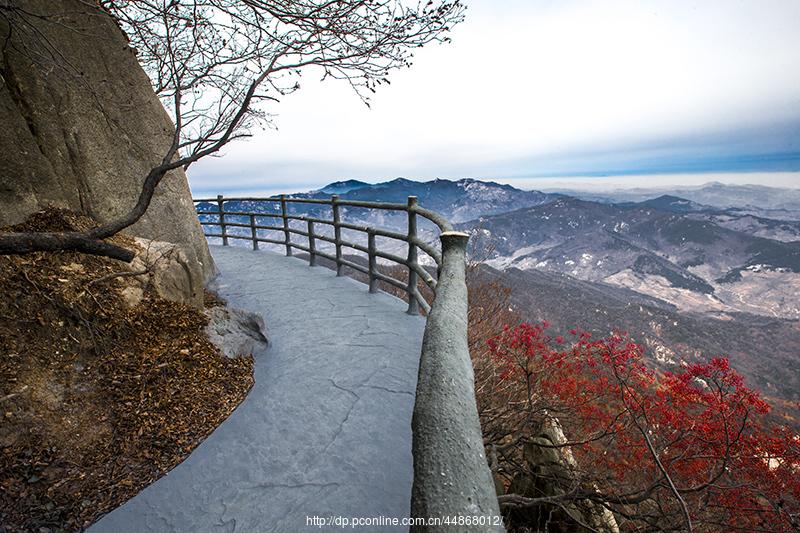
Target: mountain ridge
column 686, row 278
column 659, row 250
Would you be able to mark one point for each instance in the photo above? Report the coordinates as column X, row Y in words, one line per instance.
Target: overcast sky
column 530, row 89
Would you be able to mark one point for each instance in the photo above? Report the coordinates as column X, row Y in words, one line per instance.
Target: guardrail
column 451, row 474
column 411, row 237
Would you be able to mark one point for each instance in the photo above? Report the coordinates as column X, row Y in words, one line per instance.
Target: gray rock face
column 82, row 126
column 236, row 332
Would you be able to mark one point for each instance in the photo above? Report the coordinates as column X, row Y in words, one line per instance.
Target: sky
column 530, row 92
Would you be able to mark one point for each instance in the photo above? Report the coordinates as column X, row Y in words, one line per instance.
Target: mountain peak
column 669, row 202
column 341, row 187
column 458, row 200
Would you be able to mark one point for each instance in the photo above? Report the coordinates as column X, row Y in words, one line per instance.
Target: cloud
column 530, row 87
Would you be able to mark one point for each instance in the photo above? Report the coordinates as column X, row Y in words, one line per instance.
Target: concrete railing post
column 337, row 233
column 451, row 473
column 413, row 304
column 286, row 234
column 312, row 245
column 253, row 231
column 222, row 227
column 373, row 261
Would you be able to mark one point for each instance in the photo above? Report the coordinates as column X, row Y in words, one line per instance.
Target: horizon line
column 568, row 181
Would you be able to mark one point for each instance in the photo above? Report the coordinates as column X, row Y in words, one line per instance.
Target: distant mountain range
column 769, row 202
column 460, row 200
column 697, row 254
column 697, row 258
column 690, row 273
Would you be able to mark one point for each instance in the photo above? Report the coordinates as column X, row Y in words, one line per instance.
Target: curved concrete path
column 326, row 429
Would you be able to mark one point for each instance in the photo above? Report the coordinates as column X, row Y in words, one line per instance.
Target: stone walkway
column 326, row 429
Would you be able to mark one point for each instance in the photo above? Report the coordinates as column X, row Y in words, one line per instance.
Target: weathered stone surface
column 326, row 428
column 236, row 332
column 82, row 126
column 172, row 269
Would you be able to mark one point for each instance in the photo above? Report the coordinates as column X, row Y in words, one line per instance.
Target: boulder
column 234, row 331
column 82, row 125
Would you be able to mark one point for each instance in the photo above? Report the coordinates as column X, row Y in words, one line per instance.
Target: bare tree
column 218, row 64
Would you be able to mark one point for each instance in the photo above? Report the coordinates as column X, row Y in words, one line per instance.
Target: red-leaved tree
column 582, row 434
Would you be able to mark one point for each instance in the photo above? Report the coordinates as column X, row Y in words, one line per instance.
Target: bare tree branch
column 215, row 64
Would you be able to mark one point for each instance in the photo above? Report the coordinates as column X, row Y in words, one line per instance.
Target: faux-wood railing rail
column 451, row 474
column 415, row 270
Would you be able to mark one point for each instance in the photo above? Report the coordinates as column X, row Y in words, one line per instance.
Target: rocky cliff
column 81, row 124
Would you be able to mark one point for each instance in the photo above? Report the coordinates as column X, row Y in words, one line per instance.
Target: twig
column 117, row 275
column 13, row 394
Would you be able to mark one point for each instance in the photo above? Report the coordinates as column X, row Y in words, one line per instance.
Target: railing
column 451, row 474
column 311, row 236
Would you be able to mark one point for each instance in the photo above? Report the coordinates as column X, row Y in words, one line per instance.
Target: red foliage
column 689, row 448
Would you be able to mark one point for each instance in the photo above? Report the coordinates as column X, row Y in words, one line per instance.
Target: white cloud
column 532, row 80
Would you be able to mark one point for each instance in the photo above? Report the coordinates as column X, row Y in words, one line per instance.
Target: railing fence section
column 310, row 236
